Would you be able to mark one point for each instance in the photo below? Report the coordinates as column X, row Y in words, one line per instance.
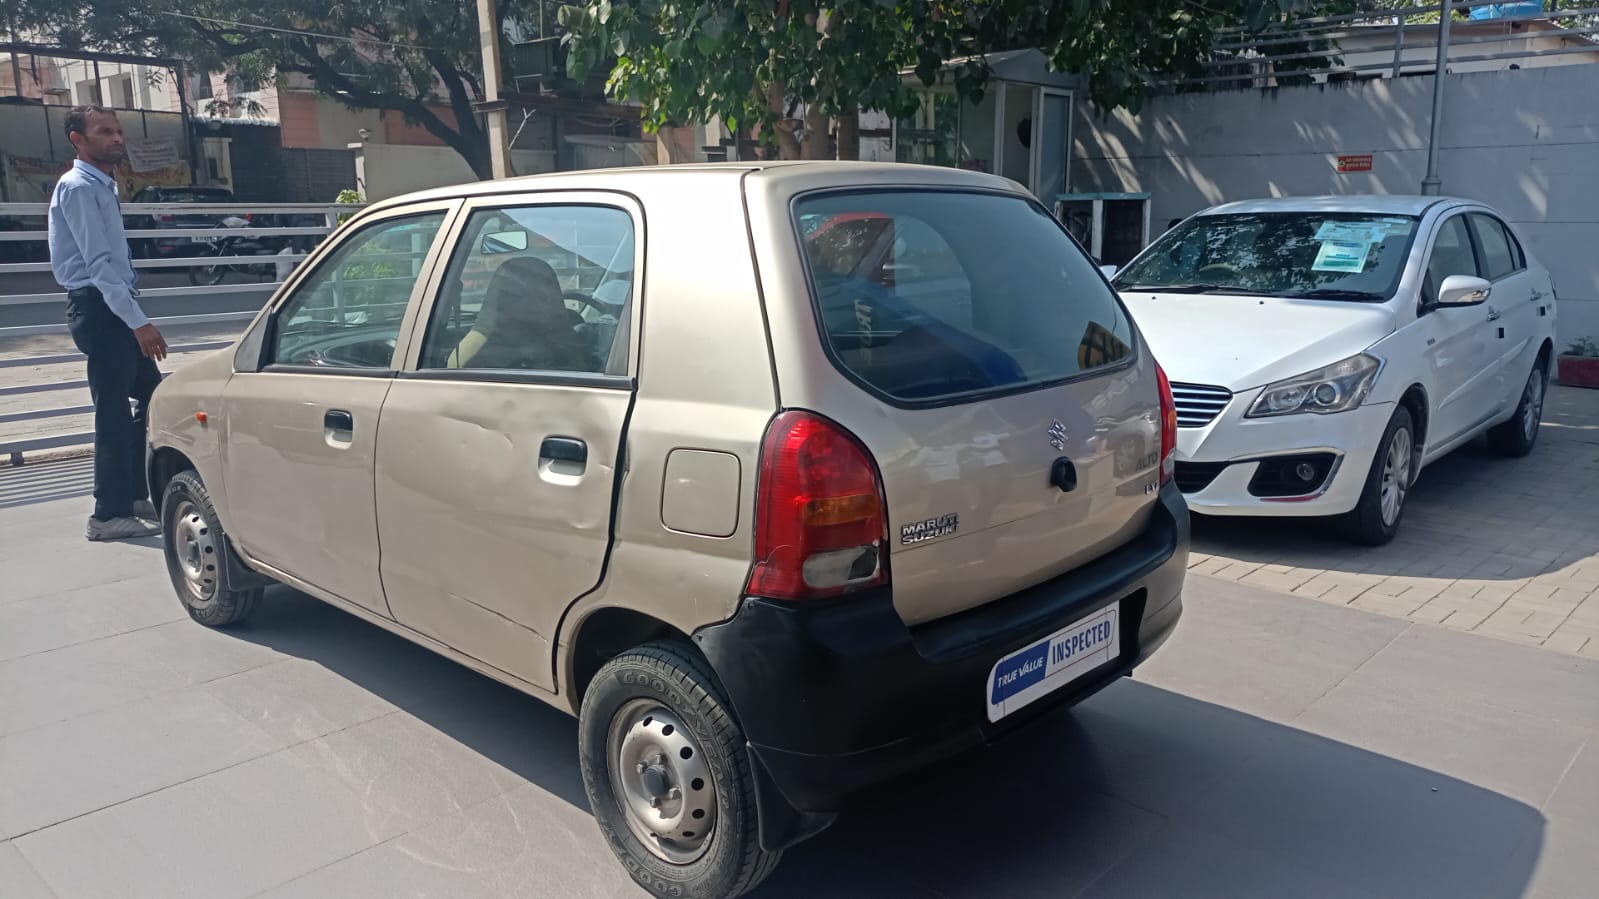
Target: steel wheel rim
column 195, row 552
column 1396, row 475
column 1533, row 401
column 661, row 782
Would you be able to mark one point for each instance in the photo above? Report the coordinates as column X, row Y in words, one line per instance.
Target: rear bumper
column 838, row 696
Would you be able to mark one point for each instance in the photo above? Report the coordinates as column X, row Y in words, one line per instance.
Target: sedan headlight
column 1337, row 388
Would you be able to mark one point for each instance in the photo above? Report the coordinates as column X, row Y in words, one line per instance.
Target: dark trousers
column 121, row 380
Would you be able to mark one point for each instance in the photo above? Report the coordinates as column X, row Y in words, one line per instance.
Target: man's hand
column 151, row 343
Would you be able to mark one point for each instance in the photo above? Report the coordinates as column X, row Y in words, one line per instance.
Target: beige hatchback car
column 786, row 479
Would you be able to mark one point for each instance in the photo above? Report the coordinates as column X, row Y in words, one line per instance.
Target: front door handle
column 1493, row 315
column 338, row 420
column 564, row 449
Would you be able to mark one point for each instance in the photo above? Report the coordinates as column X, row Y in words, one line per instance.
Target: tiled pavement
column 1507, row 548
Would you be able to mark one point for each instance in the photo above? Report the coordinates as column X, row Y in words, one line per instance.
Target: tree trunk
column 787, row 144
column 849, row 137
column 817, row 140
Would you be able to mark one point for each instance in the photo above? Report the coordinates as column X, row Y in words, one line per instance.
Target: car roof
column 1373, row 204
column 638, row 178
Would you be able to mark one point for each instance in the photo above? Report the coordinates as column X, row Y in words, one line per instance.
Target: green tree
column 410, row 58
column 751, row 61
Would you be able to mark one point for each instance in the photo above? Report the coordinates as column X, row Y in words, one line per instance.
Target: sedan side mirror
column 1463, row 290
column 1109, row 271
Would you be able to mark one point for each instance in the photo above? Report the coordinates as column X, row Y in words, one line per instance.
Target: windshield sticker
column 1352, row 232
column 1341, row 256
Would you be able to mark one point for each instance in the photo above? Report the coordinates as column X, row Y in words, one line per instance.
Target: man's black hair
column 78, row 119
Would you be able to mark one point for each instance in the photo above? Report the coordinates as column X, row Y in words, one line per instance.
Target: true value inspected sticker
column 1030, row 674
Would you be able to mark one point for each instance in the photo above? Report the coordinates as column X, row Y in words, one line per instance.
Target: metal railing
column 1389, row 43
column 313, row 223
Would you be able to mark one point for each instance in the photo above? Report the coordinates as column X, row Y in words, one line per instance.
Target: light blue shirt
column 89, row 246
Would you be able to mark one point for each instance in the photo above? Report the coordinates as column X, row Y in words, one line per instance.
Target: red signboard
column 1354, row 163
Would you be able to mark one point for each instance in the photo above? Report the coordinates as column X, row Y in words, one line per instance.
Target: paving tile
column 200, row 654
column 521, row 843
column 52, row 622
column 54, row 773
column 55, row 686
column 296, row 700
column 18, row 880
column 228, row 835
column 407, row 773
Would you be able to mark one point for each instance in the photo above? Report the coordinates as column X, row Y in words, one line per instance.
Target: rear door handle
column 338, row 420
column 564, row 449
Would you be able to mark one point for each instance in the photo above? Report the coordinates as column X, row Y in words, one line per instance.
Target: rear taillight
column 820, row 522
column 166, row 219
column 1168, row 426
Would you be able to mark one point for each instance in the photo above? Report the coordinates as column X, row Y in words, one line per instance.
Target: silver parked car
column 785, row 479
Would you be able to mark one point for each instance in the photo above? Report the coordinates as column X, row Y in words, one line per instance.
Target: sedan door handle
column 1493, row 315
column 564, row 449
column 338, row 420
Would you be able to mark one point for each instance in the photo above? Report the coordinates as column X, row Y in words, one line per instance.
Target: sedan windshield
column 1308, row 255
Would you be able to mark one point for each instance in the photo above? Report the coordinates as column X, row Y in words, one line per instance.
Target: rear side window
column 931, row 295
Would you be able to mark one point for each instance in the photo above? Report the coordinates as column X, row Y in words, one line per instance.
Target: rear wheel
column 1516, row 437
column 668, row 776
column 1376, row 519
column 197, row 553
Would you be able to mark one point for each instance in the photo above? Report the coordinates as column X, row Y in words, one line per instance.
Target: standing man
column 89, row 256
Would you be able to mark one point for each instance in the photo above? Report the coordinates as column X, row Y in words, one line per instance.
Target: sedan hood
column 1241, row 342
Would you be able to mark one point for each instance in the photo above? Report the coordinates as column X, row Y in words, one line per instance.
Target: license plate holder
column 1029, row 674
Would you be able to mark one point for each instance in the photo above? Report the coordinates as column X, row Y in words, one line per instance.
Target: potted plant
column 1579, row 364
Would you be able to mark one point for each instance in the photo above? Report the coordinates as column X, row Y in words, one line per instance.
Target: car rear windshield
column 1312, row 255
column 925, row 296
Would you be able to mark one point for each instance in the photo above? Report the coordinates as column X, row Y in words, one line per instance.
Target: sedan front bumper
column 1248, row 466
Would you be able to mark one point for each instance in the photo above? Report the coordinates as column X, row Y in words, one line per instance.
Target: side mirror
column 1109, row 271
column 1463, row 290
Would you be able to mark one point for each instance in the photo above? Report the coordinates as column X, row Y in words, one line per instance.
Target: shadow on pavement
column 1140, row 792
column 45, row 482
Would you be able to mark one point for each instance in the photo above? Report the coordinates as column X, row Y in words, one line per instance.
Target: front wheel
column 1516, row 437
column 1376, row 519
column 668, row 776
column 197, row 556
column 208, row 275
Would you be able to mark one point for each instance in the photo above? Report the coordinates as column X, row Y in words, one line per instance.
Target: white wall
column 390, row 170
column 1525, row 142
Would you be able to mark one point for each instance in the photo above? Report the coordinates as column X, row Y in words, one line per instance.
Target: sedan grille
column 1198, row 404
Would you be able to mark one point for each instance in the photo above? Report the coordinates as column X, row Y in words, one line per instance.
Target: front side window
column 923, row 296
column 1498, row 254
column 1452, row 254
column 1309, row 255
column 536, row 288
column 347, row 313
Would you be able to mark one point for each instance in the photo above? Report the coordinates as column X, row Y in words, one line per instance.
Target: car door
column 1457, row 346
column 1512, row 309
column 302, row 425
column 500, row 445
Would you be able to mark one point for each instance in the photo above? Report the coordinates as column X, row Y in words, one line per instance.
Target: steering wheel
column 1223, row 267
column 597, row 305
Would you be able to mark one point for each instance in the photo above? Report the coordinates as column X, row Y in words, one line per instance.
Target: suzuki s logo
column 1057, row 435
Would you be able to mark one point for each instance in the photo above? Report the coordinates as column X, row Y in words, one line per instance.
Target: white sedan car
column 1323, row 351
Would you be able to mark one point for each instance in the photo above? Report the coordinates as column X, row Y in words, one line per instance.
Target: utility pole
column 492, row 106
column 1432, row 184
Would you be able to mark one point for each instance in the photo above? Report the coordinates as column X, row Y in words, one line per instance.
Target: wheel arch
column 604, row 634
column 1415, row 399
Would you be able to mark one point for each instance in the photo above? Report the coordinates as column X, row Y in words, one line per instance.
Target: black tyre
column 1376, row 519
column 197, row 555
column 1516, row 437
column 668, row 777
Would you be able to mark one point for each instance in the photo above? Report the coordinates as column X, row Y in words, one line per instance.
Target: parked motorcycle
column 234, row 245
